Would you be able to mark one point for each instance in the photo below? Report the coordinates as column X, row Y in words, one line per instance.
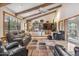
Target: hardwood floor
column 35, row 49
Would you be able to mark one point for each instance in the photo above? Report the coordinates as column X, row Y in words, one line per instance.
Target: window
column 11, row 23
column 73, row 29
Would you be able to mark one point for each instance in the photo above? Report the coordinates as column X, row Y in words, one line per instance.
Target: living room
column 39, row 29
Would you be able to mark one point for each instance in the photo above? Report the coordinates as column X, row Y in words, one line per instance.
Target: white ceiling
column 37, row 11
column 18, row 7
column 40, row 14
column 29, row 13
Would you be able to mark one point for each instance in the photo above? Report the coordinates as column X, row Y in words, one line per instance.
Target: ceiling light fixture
column 43, row 10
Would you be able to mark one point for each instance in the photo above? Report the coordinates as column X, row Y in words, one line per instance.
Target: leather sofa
column 19, row 52
column 55, row 36
column 60, row 51
column 13, row 49
column 20, row 37
column 13, row 35
column 59, row 35
column 9, row 37
column 62, row 36
column 12, row 45
column 49, row 37
column 3, row 52
column 76, row 50
column 27, row 39
column 0, row 43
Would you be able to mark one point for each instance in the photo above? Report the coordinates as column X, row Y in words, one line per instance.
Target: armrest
column 19, row 52
column 3, row 54
column 61, row 51
column 12, row 45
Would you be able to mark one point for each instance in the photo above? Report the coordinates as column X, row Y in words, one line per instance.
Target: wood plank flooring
column 35, row 49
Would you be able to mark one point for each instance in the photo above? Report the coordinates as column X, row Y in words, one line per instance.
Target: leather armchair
column 56, row 36
column 60, row 51
column 26, row 40
column 62, row 35
column 3, row 51
column 59, row 36
column 9, row 37
column 0, row 43
column 76, row 50
column 14, row 49
column 19, row 52
column 49, row 37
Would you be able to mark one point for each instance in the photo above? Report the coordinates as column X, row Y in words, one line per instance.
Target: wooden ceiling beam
column 34, row 8
column 3, row 4
column 32, row 15
column 40, row 13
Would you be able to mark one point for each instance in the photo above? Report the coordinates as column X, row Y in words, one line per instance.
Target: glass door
column 73, row 29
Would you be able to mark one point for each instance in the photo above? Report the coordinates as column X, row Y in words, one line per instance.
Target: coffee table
column 38, row 49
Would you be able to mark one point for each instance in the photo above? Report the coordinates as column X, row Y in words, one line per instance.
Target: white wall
column 1, row 23
column 58, row 18
column 69, row 9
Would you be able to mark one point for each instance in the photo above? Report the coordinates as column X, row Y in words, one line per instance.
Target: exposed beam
column 40, row 13
column 3, row 4
column 32, row 15
column 34, row 8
